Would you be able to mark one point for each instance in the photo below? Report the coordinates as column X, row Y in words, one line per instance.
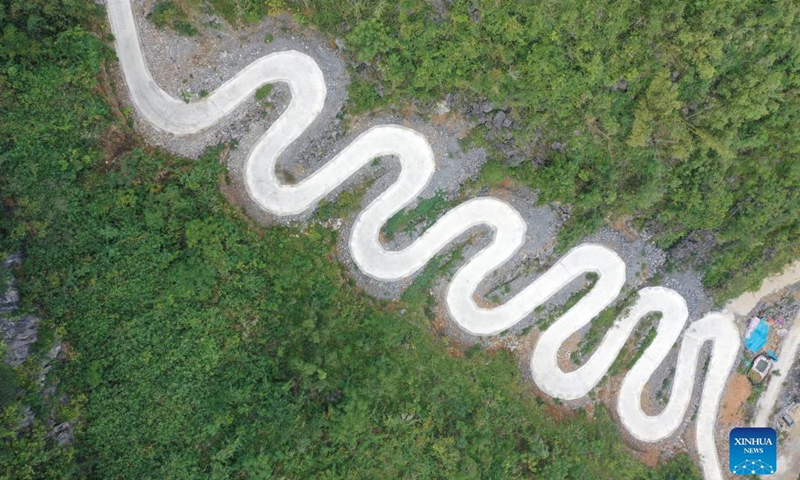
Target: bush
column 168, row 14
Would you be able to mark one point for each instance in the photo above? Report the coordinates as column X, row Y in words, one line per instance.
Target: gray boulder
column 19, row 335
column 499, row 118
column 63, row 433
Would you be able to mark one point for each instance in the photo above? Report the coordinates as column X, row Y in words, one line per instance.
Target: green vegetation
column 755, row 394
column 263, row 91
column 600, row 326
column 681, row 115
column 237, row 11
column 643, row 337
column 8, row 383
column 744, row 365
column 418, row 295
column 201, row 347
column 661, row 395
column 347, row 203
column 573, row 299
column 169, row 14
column 426, row 212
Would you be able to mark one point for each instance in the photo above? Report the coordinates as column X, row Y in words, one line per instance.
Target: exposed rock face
column 63, row 433
column 621, row 85
column 9, row 298
column 27, row 418
column 499, row 119
column 20, row 333
column 55, row 355
column 18, row 336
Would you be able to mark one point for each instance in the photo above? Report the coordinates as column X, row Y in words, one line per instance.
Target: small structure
column 788, row 417
column 762, row 365
column 787, row 421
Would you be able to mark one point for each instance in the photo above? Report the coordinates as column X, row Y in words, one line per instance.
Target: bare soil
column 731, row 408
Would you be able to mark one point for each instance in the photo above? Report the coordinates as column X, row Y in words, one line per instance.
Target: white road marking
column 308, row 90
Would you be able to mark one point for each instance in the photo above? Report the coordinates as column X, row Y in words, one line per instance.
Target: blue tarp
column 772, row 354
column 758, row 337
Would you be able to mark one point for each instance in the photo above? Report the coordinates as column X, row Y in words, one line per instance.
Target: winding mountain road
column 305, row 80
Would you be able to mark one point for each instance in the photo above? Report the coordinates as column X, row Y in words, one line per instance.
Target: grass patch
column 494, row 173
column 643, row 337
column 169, row 14
column 425, row 213
column 526, row 331
column 345, row 204
column 363, row 96
column 599, row 326
column 662, row 393
column 573, row 299
column 756, row 392
column 263, row 91
column 418, row 294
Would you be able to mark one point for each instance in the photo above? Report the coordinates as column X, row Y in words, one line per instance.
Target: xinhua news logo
column 753, row 451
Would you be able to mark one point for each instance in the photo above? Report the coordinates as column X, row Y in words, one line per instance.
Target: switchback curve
column 306, row 83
